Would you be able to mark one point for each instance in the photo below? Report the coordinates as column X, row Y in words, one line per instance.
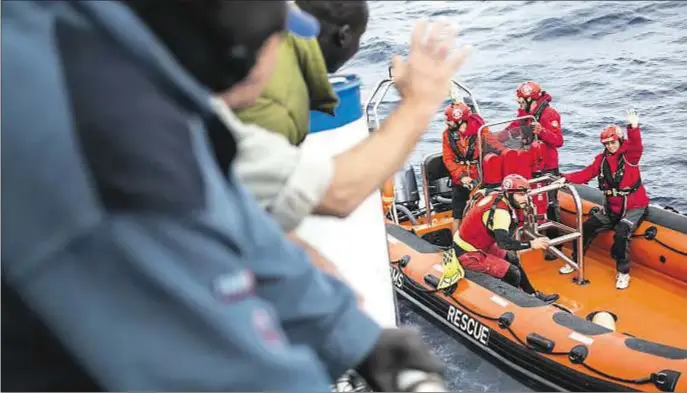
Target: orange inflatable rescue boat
column 595, row 337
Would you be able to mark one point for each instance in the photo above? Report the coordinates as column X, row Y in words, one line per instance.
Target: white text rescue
column 468, row 325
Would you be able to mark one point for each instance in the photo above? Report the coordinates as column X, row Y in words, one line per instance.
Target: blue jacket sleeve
column 315, row 309
column 151, row 303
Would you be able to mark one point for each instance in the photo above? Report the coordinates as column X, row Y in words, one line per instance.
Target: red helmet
column 515, row 183
column 529, row 89
column 456, row 112
column 611, row 133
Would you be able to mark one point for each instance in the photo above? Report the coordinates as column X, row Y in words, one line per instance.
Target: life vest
column 475, row 196
column 526, row 129
column 609, row 182
column 474, row 231
column 469, row 158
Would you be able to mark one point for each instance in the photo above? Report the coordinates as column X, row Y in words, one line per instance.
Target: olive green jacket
column 300, row 83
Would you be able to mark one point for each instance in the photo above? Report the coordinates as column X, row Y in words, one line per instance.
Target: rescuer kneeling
column 484, row 242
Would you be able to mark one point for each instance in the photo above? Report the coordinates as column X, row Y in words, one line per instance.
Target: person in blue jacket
column 130, row 260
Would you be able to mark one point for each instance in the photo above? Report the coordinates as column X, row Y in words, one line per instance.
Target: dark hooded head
column 342, row 23
column 217, row 41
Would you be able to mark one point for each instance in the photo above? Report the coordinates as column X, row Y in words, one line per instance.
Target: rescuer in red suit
column 542, row 136
column 626, row 200
column 461, row 153
column 485, row 242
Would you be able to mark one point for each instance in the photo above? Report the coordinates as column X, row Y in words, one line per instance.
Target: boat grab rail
column 385, row 84
column 532, row 228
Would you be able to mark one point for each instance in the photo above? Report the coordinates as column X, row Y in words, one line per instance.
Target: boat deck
column 653, row 307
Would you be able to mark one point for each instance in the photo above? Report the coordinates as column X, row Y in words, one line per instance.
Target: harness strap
column 526, row 129
column 492, row 212
column 609, row 183
column 623, row 191
column 468, row 157
column 537, row 114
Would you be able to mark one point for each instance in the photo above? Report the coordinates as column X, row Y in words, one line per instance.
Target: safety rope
column 646, row 236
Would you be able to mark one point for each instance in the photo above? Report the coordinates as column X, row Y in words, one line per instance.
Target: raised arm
column 633, row 146
column 421, row 81
column 292, row 184
column 585, row 175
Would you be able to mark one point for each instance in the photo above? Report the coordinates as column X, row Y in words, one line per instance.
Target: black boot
column 548, row 299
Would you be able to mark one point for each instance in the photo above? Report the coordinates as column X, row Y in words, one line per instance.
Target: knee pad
column 623, row 231
column 513, row 276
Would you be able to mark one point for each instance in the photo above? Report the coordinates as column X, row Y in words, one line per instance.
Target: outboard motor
column 407, row 194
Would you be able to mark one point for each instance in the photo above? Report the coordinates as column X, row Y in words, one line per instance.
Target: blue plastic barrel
column 348, row 110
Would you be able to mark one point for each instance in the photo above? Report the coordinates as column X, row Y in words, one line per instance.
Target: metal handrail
column 472, row 97
column 573, row 234
column 375, row 108
column 541, row 178
column 372, row 96
column 387, row 83
column 479, row 139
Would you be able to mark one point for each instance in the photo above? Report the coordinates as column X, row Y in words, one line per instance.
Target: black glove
column 397, row 350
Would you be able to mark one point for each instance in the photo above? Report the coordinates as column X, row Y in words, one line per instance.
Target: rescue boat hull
column 556, row 345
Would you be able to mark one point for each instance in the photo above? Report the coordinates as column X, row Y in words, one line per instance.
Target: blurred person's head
column 342, row 23
column 230, row 46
